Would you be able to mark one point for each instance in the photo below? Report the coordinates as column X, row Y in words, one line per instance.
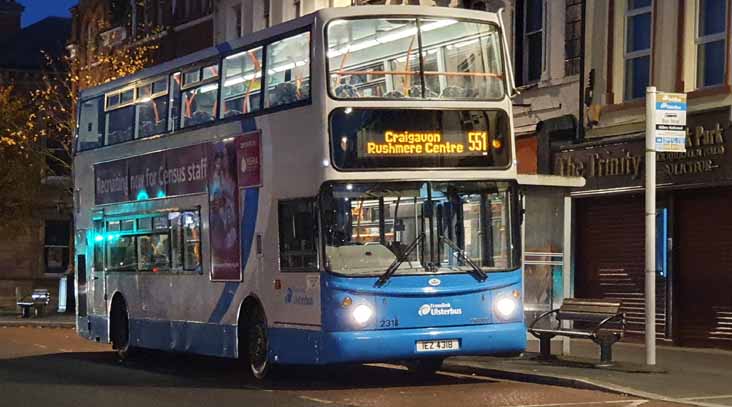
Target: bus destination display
column 395, row 143
column 401, row 138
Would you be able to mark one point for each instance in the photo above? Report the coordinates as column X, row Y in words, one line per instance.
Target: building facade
column 176, row 27
column 676, row 46
column 35, row 255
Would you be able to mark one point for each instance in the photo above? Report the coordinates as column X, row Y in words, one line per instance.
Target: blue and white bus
column 338, row 188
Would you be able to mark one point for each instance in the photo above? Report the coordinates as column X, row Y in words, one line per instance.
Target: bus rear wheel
column 258, row 341
column 120, row 330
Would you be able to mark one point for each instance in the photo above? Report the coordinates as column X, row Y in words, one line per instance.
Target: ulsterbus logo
column 443, row 308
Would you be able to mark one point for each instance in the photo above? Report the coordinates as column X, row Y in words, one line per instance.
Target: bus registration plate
column 439, row 345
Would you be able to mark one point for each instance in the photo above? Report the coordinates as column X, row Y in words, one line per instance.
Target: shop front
column 693, row 230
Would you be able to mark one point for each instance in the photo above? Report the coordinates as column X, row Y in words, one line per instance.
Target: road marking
column 65, row 350
column 316, row 400
column 723, row 396
column 40, row 346
column 630, row 403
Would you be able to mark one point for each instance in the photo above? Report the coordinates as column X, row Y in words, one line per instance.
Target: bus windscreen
column 379, row 138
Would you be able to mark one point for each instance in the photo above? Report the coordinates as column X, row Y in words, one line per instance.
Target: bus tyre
column 424, row 367
column 120, row 331
column 258, row 346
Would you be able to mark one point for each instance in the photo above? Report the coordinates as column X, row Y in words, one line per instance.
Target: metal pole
column 580, row 135
column 650, row 226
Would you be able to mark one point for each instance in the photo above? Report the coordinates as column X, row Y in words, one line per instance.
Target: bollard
column 18, row 297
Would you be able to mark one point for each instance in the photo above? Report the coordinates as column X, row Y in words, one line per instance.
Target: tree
column 37, row 128
column 20, row 166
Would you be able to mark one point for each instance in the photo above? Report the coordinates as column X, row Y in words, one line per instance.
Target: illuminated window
column 57, row 236
column 242, row 91
column 288, row 71
column 152, row 108
column 200, row 95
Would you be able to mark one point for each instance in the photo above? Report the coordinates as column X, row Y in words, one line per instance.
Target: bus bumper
column 400, row 344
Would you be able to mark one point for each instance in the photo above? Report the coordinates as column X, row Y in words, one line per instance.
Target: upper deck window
column 152, row 108
column 200, row 95
column 120, row 116
column 418, row 58
column 91, row 124
column 288, row 71
column 242, row 91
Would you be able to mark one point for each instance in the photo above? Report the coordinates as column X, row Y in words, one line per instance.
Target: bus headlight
column 362, row 314
column 505, row 307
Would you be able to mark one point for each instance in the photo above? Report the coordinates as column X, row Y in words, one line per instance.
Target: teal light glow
column 142, row 195
column 98, row 238
column 161, row 194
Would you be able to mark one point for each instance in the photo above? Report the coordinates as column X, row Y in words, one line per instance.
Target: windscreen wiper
column 479, row 274
column 398, row 261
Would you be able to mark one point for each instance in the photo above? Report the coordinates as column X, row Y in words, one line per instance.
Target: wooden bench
column 35, row 304
column 599, row 320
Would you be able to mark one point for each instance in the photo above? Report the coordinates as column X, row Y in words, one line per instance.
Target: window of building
column 56, row 247
column 572, row 37
column 265, row 13
column 242, row 91
column 529, row 41
column 237, row 20
column 297, row 5
column 298, row 235
column 288, row 71
column 638, row 26
column 711, row 42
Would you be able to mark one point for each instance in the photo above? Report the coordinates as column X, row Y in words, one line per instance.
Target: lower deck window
column 153, row 253
column 121, row 253
column 159, row 243
column 298, row 235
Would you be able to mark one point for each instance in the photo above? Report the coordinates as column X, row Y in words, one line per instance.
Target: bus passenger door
column 298, row 303
column 96, row 282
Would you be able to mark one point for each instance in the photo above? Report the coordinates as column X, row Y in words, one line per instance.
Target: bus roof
column 324, row 15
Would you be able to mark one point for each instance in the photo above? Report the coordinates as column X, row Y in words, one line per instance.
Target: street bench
column 600, row 320
column 35, row 304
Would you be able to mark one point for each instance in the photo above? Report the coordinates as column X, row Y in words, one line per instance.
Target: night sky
column 36, row 10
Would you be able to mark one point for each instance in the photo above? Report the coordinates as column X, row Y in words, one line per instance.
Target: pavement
column 691, row 376
column 701, row 377
column 11, row 318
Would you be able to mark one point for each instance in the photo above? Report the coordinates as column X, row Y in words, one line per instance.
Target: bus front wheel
column 258, row 345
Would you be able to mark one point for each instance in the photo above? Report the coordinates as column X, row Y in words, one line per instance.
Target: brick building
column 177, row 27
column 38, row 254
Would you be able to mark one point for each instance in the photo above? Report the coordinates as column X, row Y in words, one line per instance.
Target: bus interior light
column 346, row 302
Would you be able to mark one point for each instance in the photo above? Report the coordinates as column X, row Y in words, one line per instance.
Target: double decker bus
column 337, row 188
